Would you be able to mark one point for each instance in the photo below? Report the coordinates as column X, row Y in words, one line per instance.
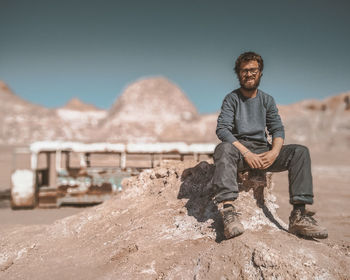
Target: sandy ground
column 331, row 202
column 331, row 174
column 10, row 218
column 331, row 178
column 164, row 226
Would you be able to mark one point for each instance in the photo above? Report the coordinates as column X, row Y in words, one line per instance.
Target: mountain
column 82, row 118
column 154, row 109
column 324, row 123
column 5, row 90
column 23, row 122
column 152, row 99
column 77, row 105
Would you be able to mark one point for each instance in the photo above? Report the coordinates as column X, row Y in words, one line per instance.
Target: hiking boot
column 302, row 223
column 232, row 225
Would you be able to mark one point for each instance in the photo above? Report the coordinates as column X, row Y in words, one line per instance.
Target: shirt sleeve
column 225, row 121
column 273, row 120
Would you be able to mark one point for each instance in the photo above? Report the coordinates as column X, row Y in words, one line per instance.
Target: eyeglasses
column 252, row 71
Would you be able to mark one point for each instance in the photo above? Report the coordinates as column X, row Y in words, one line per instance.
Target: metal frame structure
column 87, row 184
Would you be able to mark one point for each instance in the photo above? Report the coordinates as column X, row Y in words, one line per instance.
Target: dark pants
column 294, row 158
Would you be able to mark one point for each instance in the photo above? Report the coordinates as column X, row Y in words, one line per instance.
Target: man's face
column 249, row 75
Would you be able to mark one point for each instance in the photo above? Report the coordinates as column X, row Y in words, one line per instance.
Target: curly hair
column 248, row 56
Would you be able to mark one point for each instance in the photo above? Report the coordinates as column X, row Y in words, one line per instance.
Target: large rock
column 165, row 226
column 153, row 99
column 23, row 122
column 324, row 124
column 76, row 104
column 82, row 118
column 155, row 109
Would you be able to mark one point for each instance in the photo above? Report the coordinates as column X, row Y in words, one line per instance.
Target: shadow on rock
column 196, row 186
column 257, row 181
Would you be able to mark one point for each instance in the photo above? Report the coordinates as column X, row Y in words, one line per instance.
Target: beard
column 245, row 83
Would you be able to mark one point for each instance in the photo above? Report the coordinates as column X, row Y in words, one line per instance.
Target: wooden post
column 58, row 160
column 123, row 160
column 152, row 160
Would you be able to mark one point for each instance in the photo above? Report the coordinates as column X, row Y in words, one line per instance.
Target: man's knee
column 225, row 149
column 301, row 150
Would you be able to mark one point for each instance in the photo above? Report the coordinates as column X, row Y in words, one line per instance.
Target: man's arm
column 226, row 117
column 275, row 127
column 273, row 120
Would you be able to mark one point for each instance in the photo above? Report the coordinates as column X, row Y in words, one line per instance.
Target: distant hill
column 152, row 99
column 23, row 122
column 155, row 109
column 319, row 122
column 78, row 105
column 82, row 118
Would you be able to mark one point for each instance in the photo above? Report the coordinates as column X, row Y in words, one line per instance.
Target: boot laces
column 308, row 218
column 231, row 216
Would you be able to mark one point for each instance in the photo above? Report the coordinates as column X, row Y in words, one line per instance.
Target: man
column 245, row 113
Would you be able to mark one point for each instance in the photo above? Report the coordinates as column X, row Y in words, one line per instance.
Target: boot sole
column 310, row 235
column 229, row 236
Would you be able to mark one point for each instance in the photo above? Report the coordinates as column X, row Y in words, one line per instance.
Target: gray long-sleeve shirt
column 246, row 118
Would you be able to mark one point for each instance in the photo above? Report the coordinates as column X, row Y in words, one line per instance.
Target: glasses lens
column 252, row 71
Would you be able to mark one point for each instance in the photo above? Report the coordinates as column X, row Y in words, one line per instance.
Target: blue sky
column 51, row 51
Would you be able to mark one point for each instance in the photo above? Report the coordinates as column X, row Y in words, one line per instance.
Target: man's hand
column 268, row 158
column 264, row 160
column 254, row 160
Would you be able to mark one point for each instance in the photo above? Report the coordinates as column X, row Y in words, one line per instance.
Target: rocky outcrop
column 149, row 110
column 164, row 225
column 82, row 118
column 152, row 109
column 323, row 124
column 156, row 110
column 23, row 122
column 77, row 105
column 153, row 99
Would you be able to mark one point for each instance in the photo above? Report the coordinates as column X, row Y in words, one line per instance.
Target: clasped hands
column 260, row 161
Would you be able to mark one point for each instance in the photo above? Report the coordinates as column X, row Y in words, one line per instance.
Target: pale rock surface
column 155, row 109
column 81, row 116
column 321, row 123
column 23, row 122
column 153, row 99
column 76, row 104
column 165, row 226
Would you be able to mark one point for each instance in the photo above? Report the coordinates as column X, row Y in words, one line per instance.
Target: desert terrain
column 163, row 225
